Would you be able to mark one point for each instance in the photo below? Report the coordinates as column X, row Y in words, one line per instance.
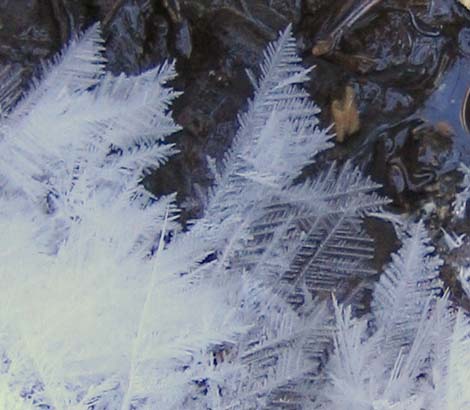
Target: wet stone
column 28, row 32
column 396, row 101
column 136, row 38
column 464, row 40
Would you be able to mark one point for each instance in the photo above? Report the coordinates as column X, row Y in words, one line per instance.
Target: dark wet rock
column 416, row 164
column 464, row 40
column 391, row 42
column 238, row 36
column 443, row 12
column 447, row 104
column 183, row 42
column 216, row 88
column 29, row 33
column 137, row 38
column 409, row 72
column 213, row 43
column 265, row 11
column 396, row 101
column 314, row 6
column 75, row 15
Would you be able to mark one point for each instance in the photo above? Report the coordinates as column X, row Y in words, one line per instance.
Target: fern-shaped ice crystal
column 77, row 228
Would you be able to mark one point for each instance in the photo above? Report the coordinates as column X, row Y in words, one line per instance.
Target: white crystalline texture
column 409, row 360
column 77, row 228
column 108, row 304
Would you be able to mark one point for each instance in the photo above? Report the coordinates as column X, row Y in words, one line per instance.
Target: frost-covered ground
column 268, row 300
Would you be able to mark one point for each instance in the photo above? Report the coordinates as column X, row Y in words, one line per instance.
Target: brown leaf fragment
column 322, row 47
column 465, row 3
column 345, row 115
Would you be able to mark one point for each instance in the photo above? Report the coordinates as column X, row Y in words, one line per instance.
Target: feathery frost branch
column 115, row 307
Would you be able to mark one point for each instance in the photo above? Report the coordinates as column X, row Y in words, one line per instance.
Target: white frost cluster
column 107, row 304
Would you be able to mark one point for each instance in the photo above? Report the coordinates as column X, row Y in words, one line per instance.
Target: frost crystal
column 108, row 304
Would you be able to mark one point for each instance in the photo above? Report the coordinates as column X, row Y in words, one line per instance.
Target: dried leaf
column 345, row 115
column 465, row 3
